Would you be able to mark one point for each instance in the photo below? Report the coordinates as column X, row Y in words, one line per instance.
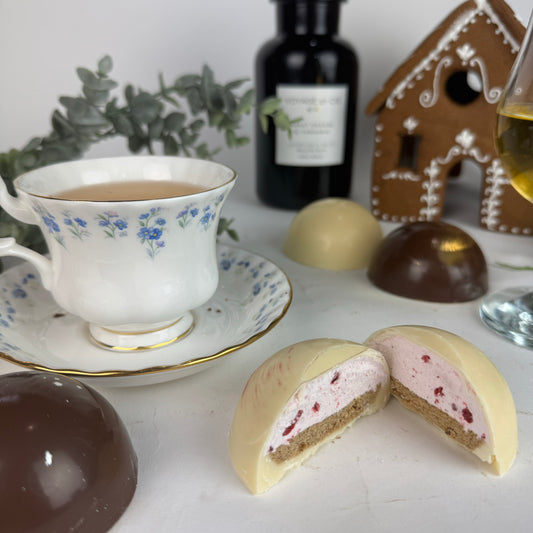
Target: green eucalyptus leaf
column 194, row 100
column 98, row 98
column 105, row 65
column 230, row 104
column 246, row 102
column 170, row 145
column 61, row 125
column 32, row 144
column 136, row 144
column 123, row 125
column 80, row 112
column 138, row 129
column 217, row 98
column 145, row 108
column 231, row 138
column 174, row 121
column 28, row 160
column 155, row 128
column 242, row 141
column 270, row 105
column 167, row 97
column 215, row 118
column 207, row 86
column 186, row 138
column 162, row 85
column 92, row 81
column 197, row 125
column 87, row 77
column 188, row 81
column 202, row 151
column 281, row 121
column 129, row 93
column 263, row 119
column 111, row 107
column 236, row 83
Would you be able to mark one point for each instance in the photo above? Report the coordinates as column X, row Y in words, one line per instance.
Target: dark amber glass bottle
column 314, row 73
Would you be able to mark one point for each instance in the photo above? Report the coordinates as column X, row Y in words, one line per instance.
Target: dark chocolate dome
column 431, row 261
column 66, row 459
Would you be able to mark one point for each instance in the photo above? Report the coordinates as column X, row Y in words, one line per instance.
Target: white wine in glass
column 510, row 312
column 514, row 138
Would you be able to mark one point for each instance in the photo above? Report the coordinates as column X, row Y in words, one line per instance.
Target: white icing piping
column 496, row 179
column 456, row 28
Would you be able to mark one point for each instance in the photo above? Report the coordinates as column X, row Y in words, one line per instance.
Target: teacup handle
column 8, row 245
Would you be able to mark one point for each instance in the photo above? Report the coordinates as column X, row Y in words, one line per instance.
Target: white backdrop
column 42, row 43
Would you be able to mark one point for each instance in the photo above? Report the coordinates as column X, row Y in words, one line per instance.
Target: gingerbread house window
column 464, row 86
column 409, row 151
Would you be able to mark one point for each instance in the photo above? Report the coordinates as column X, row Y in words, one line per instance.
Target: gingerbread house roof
column 429, row 51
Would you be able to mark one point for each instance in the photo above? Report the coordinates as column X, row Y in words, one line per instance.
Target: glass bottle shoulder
column 281, row 47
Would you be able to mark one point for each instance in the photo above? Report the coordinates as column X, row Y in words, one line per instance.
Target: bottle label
column 318, row 138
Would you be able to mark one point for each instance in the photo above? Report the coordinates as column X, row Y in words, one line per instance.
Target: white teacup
column 133, row 269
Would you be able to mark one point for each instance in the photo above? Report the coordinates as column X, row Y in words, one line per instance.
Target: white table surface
column 388, row 472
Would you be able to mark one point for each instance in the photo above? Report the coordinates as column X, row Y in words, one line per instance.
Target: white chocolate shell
column 333, row 234
column 462, row 391
column 301, row 376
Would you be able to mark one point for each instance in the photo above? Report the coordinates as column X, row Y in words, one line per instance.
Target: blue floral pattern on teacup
column 50, row 223
column 151, row 228
column 113, row 225
column 186, row 216
column 76, row 225
column 151, row 224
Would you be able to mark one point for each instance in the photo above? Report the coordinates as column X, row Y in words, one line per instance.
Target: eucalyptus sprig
column 271, row 108
column 169, row 120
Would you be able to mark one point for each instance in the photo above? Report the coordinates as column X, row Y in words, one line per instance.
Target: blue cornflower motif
column 154, row 209
column 225, row 264
column 120, row 224
column 194, row 211
column 160, row 221
column 143, row 233
column 82, row 223
column 103, row 222
column 4, row 323
column 68, row 221
column 155, row 233
column 144, row 216
column 256, row 289
column 51, row 223
column 182, row 213
column 160, row 244
column 19, row 293
column 149, row 233
column 205, row 219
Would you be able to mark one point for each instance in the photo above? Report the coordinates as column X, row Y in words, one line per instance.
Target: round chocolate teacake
column 431, row 261
column 66, row 459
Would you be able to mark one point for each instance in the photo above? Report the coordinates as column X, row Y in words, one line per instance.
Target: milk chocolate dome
column 432, row 261
column 66, row 460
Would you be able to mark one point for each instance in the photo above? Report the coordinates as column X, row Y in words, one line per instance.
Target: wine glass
column 510, row 312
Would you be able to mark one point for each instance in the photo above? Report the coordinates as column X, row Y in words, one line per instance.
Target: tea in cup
column 132, row 241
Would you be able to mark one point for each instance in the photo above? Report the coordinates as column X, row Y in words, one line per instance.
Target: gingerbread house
column 439, row 109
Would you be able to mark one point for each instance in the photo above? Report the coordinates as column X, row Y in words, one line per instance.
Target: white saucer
column 253, row 295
